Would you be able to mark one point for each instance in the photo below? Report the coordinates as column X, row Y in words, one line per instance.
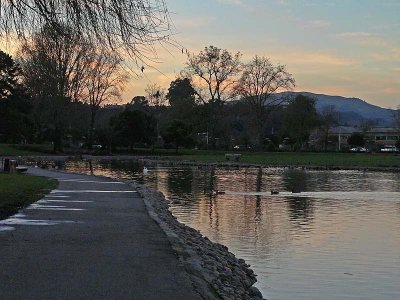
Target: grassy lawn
column 24, row 150
column 321, row 159
column 17, row 191
column 299, row 159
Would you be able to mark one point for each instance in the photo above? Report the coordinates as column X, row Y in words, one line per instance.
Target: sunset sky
column 338, row 47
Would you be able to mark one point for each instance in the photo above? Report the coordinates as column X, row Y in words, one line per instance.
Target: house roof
column 343, row 130
column 373, row 130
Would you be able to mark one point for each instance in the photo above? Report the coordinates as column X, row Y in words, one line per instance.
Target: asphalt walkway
column 91, row 238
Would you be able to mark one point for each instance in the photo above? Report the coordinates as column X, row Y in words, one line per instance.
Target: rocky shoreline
column 215, row 272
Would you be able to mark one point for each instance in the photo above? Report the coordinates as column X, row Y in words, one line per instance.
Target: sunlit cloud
column 366, row 39
column 311, row 24
column 310, row 59
column 356, row 34
column 392, row 91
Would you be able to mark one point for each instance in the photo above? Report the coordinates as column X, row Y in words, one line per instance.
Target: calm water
column 337, row 239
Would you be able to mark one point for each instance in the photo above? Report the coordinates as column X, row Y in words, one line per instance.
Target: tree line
column 58, row 87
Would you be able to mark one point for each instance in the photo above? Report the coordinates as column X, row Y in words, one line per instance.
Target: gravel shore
column 215, row 272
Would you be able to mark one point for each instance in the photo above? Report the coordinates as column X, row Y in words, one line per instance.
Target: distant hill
column 352, row 110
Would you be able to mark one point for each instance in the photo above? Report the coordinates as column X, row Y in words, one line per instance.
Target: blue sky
column 339, row 47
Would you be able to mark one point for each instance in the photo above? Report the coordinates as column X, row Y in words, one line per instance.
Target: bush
column 356, row 139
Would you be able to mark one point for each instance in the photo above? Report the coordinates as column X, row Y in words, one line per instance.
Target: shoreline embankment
column 215, row 271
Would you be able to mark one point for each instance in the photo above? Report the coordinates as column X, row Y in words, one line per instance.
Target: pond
column 326, row 235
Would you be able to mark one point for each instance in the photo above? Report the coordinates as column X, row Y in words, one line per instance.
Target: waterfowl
column 218, row 192
column 274, row 192
column 145, row 170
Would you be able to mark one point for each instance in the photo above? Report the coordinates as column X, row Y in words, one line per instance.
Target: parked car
column 390, row 149
column 242, row 147
column 359, row 149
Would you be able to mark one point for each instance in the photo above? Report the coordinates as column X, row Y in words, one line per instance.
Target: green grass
column 17, row 191
column 315, row 159
column 24, row 150
column 299, row 159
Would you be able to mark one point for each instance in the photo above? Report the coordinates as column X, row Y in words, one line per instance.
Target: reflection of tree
column 301, row 209
column 295, row 180
column 210, row 181
column 259, row 180
column 180, row 182
column 258, row 215
column 258, row 198
column 210, row 186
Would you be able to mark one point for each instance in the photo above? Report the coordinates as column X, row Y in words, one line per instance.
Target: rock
column 255, row 292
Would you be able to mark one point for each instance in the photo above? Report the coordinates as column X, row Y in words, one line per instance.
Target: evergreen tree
column 14, row 102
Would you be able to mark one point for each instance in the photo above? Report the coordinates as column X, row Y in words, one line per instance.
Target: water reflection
column 300, row 209
column 301, row 245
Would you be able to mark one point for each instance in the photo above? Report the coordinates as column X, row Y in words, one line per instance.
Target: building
column 376, row 137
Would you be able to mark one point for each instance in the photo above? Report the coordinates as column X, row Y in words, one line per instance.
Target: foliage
column 132, row 127
column 300, row 118
column 356, row 139
column 139, row 103
column 179, row 133
column 9, row 76
column 181, row 97
column 180, row 90
column 15, row 125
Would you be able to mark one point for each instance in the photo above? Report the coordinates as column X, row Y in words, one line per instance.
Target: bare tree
column 53, row 66
column 259, row 82
column 104, row 81
column 329, row 117
column 54, row 63
column 213, row 74
column 156, row 97
column 130, row 27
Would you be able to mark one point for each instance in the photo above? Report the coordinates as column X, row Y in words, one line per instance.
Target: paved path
column 90, row 239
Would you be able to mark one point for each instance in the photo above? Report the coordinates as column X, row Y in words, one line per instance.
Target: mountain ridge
column 352, row 110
